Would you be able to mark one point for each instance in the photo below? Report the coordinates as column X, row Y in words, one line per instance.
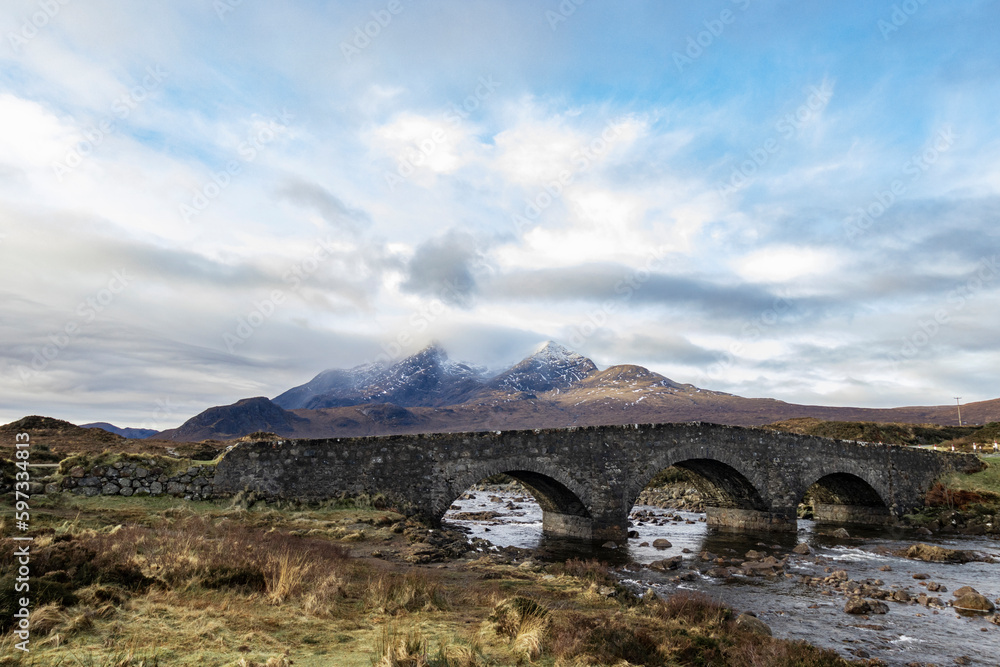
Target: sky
column 206, row 200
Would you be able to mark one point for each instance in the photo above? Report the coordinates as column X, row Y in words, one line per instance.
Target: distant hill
column 127, row 432
column 552, row 387
column 54, row 439
column 60, row 436
column 232, row 421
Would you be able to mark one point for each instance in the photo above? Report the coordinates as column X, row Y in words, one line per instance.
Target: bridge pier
column 865, row 515
column 738, row 520
column 556, row 524
column 567, row 525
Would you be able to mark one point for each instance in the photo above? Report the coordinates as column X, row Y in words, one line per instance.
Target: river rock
column 963, row 590
column 935, row 554
column 760, row 568
column 859, row 605
column 487, row 515
column 841, row 533
column 973, row 602
column 802, row 549
column 661, row 543
column 665, row 564
column 753, row 625
column 900, row 596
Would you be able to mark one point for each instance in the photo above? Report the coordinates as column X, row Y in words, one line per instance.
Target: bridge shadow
column 844, row 498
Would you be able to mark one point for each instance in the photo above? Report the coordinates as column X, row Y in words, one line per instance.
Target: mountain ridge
column 552, row 387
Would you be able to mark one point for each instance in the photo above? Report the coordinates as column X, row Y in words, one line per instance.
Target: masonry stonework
column 587, row 479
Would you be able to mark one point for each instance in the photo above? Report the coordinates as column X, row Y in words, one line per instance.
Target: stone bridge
column 587, row 479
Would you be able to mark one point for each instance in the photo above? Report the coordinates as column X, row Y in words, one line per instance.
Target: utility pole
column 959, row 405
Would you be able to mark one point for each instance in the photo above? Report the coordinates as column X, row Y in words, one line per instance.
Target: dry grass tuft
column 46, row 618
column 390, row 593
column 455, row 654
column 394, row 649
column 286, row 576
column 693, row 608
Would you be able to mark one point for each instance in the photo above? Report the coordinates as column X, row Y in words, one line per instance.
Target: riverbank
column 801, row 584
column 159, row 581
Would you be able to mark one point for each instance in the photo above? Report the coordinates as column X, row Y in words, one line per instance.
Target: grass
column 159, row 581
column 890, row 433
column 978, row 490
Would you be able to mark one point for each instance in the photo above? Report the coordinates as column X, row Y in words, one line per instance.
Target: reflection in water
column 908, row 633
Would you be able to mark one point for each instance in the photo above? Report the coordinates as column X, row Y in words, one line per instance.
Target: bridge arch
column 724, row 479
column 564, row 502
column 852, row 497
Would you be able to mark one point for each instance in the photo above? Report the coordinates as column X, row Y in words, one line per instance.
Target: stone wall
column 137, row 477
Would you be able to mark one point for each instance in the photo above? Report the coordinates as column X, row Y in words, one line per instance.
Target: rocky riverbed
column 895, row 597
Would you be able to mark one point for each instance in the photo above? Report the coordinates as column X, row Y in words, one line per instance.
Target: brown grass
column 262, row 586
column 941, row 496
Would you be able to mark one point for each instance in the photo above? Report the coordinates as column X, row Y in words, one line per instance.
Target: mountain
column 550, row 367
column 334, row 382
column 241, row 418
column 127, row 432
column 552, row 387
column 425, row 379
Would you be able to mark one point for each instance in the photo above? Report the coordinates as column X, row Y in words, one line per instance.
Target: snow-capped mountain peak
column 551, row 366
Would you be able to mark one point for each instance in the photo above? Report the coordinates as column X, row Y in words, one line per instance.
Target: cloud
column 446, row 268
column 490, row 104
column 332, row 210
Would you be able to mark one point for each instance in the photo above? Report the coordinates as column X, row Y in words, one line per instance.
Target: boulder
column 934, row 554
column 760, row 568
column 661, row 543
column 963, row 590
column 802, row 549
column 841, row 533
column 753, row 625
column 973, row 602
column 859, row 605
column 665, row 564
column 753, row 555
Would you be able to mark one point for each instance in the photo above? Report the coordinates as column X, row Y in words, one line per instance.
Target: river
column 908, row 633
